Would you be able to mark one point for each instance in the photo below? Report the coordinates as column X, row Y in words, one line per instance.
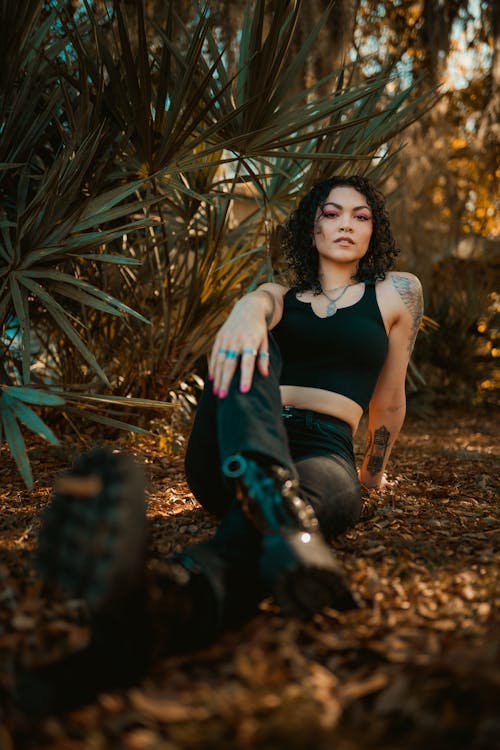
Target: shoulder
column 402, row 289
column 404, row 282
column 401, row 280
column 401, row 303
column 409, row 291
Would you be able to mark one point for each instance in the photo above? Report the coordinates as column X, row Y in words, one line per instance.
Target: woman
column 291, row 372
column 340, row 340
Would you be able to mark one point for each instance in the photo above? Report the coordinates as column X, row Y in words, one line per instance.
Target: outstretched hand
column 243, row 336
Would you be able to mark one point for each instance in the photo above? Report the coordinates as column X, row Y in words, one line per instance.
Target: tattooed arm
column 400, row 300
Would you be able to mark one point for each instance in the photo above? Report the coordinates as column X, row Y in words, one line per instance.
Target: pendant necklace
column 331, row 308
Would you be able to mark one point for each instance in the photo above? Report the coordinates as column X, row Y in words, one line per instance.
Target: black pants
column 317, row 448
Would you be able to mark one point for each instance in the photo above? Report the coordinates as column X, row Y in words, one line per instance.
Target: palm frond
column 14, row 410
column 125, row 151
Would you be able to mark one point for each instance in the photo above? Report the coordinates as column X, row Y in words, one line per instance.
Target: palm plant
column 123, row 149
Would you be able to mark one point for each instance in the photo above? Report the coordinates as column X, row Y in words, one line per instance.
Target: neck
column 336, row 279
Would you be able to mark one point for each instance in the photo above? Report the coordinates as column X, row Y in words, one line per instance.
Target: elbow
column 397, row 408
column 392, row 409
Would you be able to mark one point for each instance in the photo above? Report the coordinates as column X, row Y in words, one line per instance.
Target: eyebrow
column 338, row 205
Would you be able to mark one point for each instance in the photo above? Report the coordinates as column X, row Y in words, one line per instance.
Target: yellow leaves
column 170, row 443
column 438, row 196
column 144, row 171
column 458, row 143
column 479, row 215
column 165, row 706
column 487, row 385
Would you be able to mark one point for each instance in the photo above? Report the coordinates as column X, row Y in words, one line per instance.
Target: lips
column 342, row 240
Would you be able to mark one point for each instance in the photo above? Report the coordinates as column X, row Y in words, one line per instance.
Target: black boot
column 93, row 540
column 296, row 564
column 219, row 586
column 92, row 544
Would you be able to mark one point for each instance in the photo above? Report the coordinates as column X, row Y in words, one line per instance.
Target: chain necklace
column 331, row 308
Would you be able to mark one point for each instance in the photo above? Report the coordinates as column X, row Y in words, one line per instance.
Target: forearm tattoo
column 411, row 294
column 377, row 445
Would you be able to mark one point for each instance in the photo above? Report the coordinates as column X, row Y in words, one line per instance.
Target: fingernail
column 222, row 393
column 244, row 388
column 210, row 376
column 216, row 390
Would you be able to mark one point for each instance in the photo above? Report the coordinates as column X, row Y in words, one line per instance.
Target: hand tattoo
column 378, row 443
column 410, row 291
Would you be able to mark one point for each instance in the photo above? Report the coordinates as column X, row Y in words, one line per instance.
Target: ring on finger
column 232, row 354
column 249, row 350
column 222, row 351
column 263, row 355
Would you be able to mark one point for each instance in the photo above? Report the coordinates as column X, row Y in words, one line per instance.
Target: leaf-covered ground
column 418, row 666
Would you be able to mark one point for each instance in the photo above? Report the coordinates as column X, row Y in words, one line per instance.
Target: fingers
column 225, row 367
column 217, row 355
column 263, row 360
column 224, row 363
column 248, row 356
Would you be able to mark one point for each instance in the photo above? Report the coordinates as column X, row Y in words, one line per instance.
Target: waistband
column 309, row 416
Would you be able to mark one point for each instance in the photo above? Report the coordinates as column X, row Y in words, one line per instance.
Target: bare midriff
column 325, row 402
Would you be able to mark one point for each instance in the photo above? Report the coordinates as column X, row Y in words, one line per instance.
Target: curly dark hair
column 297, row 237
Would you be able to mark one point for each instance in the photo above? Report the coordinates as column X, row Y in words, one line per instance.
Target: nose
column 346, row 228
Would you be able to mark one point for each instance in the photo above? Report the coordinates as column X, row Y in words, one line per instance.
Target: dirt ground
column 417, row 666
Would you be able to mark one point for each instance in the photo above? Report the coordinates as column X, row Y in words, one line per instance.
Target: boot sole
column 298, row 567
column 310, row 579
column 92, row 542
column 303, row 592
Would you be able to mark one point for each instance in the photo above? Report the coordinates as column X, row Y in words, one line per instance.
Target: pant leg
column 252, row 423
column 240, row 423
column 202, row 462
column 248, row 423
column 324, row 457
column 331, row 485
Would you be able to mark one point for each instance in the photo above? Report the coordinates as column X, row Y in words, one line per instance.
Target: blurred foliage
column 143, row 174
column 460, row 359
column 445, row 203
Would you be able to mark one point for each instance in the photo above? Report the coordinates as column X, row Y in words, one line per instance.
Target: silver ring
column 263, row 355
column 232, row 354
column 249, row 350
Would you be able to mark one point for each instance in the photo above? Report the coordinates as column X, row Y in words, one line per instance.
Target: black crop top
column 343, row 353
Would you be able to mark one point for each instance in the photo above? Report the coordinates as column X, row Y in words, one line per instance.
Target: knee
column 340, row 511
column 333, row 489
